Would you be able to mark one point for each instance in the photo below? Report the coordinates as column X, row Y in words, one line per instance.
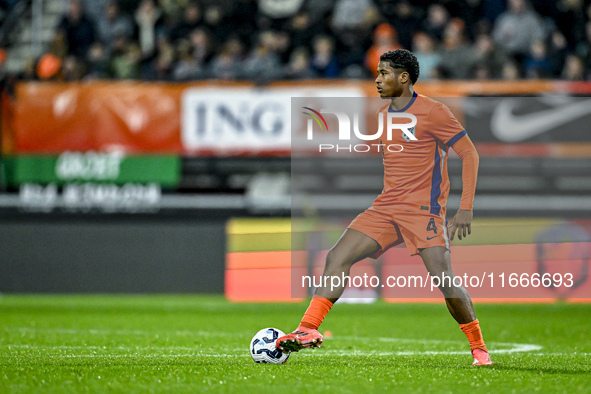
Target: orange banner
column 134, row 117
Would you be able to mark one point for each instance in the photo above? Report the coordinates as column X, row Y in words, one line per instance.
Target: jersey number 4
column 431, row 226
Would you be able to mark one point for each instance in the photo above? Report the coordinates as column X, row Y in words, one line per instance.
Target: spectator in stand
column 73, row 69
column 200, row 42
column 385, row 38
column 282, row 45
column 557, row 51
column 98, row 62
column 324, row 62
column 263, row 63
column 78, row 29
column 149, row 23
column 161, row 67
column 537, row 65
column 176, row 36
column 481, row 71
column 574, row 69
column 277, row 42
column 191, row 20
column 188, row 67
column 511, row 71
column 228, row 62
column 437, row 20
column 489, row 57
column 299, row 65
column 125, row 59
column 423, row 47
column 457, row 57
column 113, row 23
column 517, row 29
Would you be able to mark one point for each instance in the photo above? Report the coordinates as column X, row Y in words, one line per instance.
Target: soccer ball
column 263, row 348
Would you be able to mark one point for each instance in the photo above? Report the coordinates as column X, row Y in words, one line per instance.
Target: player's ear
column 404, row 77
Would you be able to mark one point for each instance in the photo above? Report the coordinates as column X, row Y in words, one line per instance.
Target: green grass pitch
column 193, row 344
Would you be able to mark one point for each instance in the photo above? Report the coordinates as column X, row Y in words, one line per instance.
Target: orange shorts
column 390, row 228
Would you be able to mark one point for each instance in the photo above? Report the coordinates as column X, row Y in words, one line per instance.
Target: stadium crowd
column 265, row 40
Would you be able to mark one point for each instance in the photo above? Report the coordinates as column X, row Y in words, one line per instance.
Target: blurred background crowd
column 266, row 40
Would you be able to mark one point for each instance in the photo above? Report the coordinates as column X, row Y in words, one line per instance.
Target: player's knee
column 439, row 268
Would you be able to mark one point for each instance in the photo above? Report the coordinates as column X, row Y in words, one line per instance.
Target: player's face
column 388, row 81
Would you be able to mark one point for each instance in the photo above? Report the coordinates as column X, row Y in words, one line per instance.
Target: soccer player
column 411, row 207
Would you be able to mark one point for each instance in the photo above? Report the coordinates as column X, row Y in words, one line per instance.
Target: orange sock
column 474, row 335
column 316, row 312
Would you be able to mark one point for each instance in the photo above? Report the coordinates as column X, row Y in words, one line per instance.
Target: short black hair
column 404, row 59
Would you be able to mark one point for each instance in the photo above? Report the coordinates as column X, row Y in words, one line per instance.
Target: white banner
column 243, row 119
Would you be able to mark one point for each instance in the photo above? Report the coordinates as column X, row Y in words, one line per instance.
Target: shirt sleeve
column 444, row 126
column 467, row 152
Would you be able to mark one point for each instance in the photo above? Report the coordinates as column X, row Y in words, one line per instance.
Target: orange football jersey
column 415, row 178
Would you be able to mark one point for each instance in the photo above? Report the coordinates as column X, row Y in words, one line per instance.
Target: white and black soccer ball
column 263, row 348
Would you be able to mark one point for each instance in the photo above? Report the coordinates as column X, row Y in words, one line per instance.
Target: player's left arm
column 462, row 221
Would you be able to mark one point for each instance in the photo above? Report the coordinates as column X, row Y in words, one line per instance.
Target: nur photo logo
column 387, row 123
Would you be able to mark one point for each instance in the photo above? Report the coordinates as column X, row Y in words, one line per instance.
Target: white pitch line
column 513, row 347
column 520, row 348
column 562, row 354
column 120, row 332
column 309, row 354
column 80, row 347
column 147, row 355
column 507, row 348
